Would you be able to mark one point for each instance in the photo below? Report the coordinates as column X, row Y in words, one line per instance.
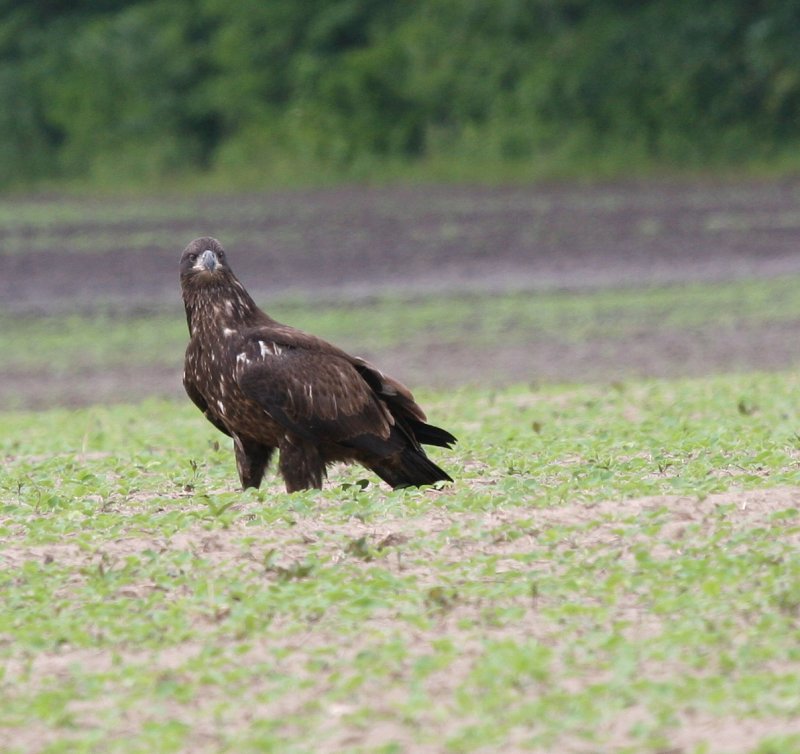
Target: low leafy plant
column 615, row 569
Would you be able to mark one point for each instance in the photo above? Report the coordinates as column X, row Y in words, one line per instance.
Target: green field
column 616, row 569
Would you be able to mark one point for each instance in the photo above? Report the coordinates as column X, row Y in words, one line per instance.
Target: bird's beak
column 207, row 261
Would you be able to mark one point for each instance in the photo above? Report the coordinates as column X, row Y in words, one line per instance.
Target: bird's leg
column 252, row 459
column 300, row 464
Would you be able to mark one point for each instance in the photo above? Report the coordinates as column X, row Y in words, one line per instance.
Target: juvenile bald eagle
column 270, row 386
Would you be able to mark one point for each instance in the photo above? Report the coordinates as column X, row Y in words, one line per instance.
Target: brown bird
column 270, row 386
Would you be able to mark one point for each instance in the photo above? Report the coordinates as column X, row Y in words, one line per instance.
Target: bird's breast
column 216, row 360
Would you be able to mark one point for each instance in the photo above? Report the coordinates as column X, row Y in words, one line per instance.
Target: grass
column 552, row 600
column 71, row 345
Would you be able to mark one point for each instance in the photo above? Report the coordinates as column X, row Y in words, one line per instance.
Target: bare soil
column 352, row 243
column 361, row 241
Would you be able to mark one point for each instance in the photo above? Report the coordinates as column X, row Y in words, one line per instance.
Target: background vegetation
column 131, row 92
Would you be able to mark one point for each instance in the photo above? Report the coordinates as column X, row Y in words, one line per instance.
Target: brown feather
column 269, row 385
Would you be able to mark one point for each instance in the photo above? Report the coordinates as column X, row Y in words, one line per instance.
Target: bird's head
column 203, row 261
column 211, row 292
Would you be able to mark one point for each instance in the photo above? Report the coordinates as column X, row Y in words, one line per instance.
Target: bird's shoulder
column 277, row 345
column 278, row 365
column 289, row 357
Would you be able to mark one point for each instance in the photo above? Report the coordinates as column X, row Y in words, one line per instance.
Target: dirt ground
column 352, row 243
column 693, row 730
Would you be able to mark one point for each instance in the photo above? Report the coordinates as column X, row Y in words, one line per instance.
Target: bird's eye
column 192, row 257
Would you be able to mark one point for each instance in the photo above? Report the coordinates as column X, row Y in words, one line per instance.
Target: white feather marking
column 221, row 407
column 241, row 358
column 227, row 332
column 310, row 393
column 269, row 347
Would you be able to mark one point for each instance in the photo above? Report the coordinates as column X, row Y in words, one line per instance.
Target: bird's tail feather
column 410, row 468
column 428, row 434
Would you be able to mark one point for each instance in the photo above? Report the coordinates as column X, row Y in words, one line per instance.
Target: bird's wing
column 312, row 390
column 396, row 395
column 406, row 412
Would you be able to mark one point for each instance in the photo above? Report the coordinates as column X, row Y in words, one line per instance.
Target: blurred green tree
column 134, row 90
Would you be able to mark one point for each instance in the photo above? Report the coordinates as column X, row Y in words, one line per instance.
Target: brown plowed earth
column 362, row 241
column 348, row 243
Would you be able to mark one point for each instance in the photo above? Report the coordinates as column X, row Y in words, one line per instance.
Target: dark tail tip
column 411, row 468
column 428, row 434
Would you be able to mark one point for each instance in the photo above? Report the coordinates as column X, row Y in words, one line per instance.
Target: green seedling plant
column 615, row 569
